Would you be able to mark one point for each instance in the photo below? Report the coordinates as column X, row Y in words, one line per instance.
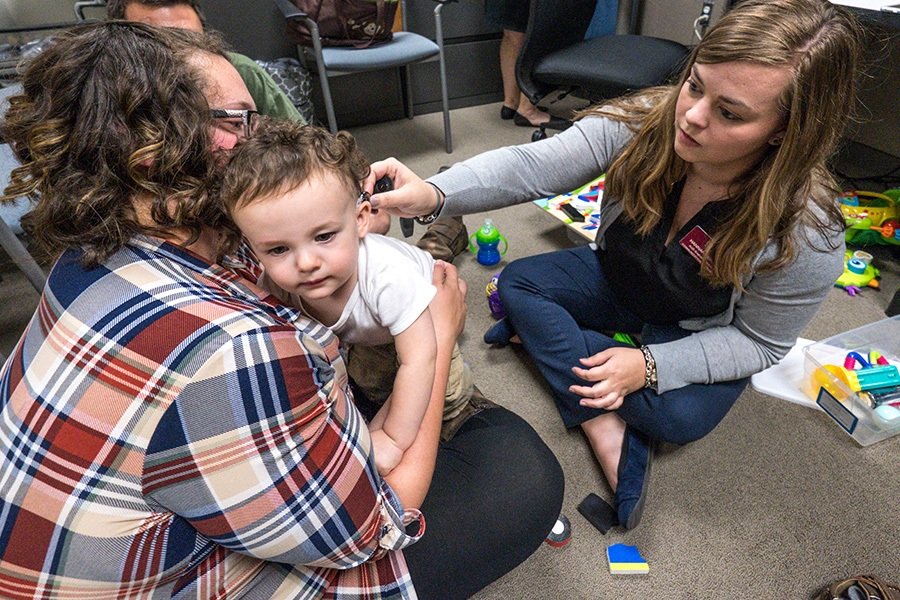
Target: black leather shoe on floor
column 553, row 123
column 507, row 113
column 634, row 475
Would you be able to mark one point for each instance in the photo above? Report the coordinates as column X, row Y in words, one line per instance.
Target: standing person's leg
column 512, row 17
column 525, row 114
column 496, row 493
column 510, row 45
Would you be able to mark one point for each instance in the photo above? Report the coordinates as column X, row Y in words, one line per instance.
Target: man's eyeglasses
column 240, row 120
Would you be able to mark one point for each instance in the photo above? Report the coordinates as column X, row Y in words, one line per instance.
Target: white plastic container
column 829, row 388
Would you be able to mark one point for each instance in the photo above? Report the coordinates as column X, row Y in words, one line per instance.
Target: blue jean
column 559, row 303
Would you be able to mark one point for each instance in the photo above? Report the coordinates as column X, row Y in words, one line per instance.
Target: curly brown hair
column 108, row 113
column 278, row 158
column 821, row 44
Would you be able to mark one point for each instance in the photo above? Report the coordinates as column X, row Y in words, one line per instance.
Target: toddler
column 294, row 192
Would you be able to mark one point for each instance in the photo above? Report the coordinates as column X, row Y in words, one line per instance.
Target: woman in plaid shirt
column 169, row 430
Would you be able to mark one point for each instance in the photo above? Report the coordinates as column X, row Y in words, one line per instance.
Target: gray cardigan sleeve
column 518, row 174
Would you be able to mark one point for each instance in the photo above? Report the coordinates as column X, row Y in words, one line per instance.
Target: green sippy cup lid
column 487, row 233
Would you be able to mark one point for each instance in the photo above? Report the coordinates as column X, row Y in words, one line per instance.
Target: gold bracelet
column 650, row 379
column 439, row 205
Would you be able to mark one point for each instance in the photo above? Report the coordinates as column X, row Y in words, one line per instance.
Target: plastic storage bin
column 849, row 391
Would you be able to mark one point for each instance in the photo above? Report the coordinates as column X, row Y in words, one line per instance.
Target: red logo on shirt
column 694, row 243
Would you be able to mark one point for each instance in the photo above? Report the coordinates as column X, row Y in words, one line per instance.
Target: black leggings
column 496, row 493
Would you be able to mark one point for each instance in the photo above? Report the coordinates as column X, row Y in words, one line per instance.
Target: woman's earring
column 776, row 141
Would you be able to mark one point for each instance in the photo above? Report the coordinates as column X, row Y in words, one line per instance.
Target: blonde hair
column 820, row 43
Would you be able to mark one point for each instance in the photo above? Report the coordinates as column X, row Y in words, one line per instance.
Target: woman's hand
column 448, row 308
column 613, row 373
column 411, row 195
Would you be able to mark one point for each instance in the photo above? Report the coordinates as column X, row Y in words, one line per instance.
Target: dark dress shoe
column 507, row 113
column 634, row 475
column 554, row 123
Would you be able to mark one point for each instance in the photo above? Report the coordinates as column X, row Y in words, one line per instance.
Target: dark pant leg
column 557, row 303
column 677, row 416
column 496, row 493
column 683, row 415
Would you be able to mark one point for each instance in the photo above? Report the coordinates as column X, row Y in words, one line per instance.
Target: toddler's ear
column 363, row 218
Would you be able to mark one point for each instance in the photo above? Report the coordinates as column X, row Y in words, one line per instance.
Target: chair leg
column 323, row 82
column 19, row 255
column 326, row 96
column 407, row 91
column 445, row 101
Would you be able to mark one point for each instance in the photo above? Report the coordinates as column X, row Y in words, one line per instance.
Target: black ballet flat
column 554, row 123
column 507, row 113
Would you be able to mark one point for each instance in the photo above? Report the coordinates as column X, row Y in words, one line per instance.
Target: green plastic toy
column 857, row 274
column 871, row 217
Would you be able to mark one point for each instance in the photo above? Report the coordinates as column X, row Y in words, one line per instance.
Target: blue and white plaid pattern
column 170, row 431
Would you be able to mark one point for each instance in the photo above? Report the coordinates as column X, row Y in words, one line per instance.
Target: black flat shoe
column 554, row 123
column 507, row 113
column 634, row 475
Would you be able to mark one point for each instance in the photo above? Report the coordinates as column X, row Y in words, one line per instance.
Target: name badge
column 694, row 243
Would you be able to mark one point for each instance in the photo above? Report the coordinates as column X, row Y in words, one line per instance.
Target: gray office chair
column 11, row 213
column 9, row 217
column 404, row 49
column 556, row 56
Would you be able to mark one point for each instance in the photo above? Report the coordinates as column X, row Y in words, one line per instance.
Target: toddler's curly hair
column 279, row 157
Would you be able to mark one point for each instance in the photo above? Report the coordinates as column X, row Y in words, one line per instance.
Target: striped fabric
column 167, row 432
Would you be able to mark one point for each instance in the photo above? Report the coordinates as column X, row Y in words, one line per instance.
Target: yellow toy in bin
column 871, row 217
column 855, row 378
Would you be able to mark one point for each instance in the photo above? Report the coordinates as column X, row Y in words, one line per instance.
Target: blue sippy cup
column 485, row 242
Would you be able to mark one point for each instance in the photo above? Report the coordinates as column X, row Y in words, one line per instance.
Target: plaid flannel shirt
column 168, row 431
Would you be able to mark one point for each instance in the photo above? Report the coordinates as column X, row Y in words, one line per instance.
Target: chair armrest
column 82, row 4
column 292, row 13
column 289, row 10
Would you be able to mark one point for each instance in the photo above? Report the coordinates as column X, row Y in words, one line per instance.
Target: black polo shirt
column 662, row 284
